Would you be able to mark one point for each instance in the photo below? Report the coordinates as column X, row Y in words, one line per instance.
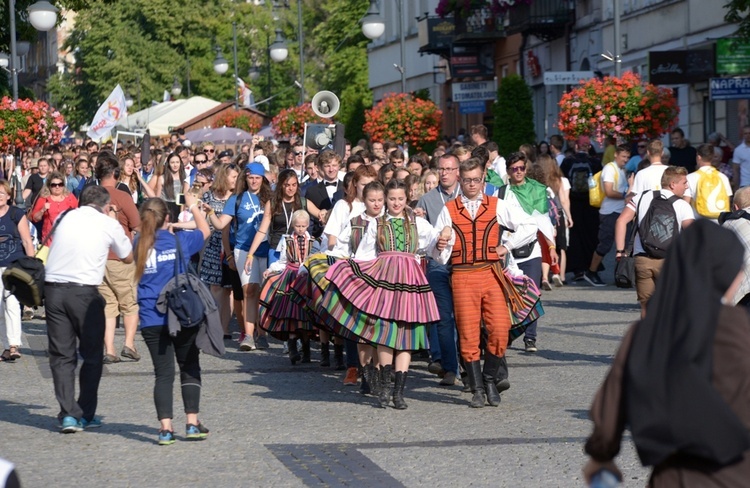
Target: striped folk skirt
column 281, row 316
column 386, row 301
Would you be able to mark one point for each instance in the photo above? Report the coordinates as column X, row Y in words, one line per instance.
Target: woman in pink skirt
column 382, row 295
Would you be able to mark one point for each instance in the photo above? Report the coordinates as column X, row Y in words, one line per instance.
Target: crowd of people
column 376, row 252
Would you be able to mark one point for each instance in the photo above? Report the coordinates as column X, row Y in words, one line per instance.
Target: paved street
column 277, row 425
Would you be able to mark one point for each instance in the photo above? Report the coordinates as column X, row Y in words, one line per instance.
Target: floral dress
column 210, row 270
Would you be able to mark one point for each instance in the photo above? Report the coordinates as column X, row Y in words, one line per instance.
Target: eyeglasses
column 209, row 151
column 202, row 161
column 298, row 153
column 446, row 170
column 518, row 169
column 468, row 181
column 56, row 185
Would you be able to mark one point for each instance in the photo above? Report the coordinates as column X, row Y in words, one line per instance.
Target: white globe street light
column 221, row 65
column 373, row 25
column 278, row 49
column 4, row 60
column 42, row 15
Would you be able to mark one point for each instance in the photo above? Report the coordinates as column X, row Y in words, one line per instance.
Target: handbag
column 625, row 267
column 531, row 308
column 183, row 300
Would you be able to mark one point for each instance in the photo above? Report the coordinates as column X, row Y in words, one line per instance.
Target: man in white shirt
column 75, row 309
column 741, row 161
column 650, row 178
column 615, row 186
column 709, row 189
column 674, row 183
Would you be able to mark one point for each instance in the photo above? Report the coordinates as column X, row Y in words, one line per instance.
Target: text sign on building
column 477, row 107
column 471, row 91
column 732, row 57
column 566, row 77
column 678, row 67
column 730, row 88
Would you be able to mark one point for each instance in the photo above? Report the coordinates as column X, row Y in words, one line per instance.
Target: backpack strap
column 236, row 222
column 502, row 191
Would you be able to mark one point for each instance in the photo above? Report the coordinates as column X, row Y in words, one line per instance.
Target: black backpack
column 659, row 227
column 579, row 178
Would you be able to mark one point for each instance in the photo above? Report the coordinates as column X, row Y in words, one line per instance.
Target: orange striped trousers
column 477, row 296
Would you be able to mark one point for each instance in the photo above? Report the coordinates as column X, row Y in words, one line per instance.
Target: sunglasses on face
column 55, row 185
column 209, row 151
column 201, row 161
column 298, row 153
column 518, row 169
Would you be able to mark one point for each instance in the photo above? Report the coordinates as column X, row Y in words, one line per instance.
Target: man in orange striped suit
column 477, row 258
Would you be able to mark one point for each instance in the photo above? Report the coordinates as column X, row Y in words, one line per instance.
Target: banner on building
column 732, row 57
column 474, row 91
column 566, row 77
column 737, row 88
column 678, row 67
column 472, row 61
column 112, row 110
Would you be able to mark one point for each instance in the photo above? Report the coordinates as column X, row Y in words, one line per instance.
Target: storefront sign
column 436, row 34
column 566, row 77
column 474, row 91
column 678, row 67
column 732, row 57
column 472, row 107
column 737, row 88
column 472, row 61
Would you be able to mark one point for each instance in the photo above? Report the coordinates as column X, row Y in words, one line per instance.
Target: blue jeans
column 442, row 334
column 533, row 269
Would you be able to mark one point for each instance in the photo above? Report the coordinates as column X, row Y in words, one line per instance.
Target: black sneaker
column 578, row 276
column 530, row 345
column 592, row 277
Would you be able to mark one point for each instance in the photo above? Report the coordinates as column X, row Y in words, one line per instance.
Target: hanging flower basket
column 463, row 8
column 27, row 123
column 290, row 122
column 239, row 120
column 621, row 107
column 402, row 118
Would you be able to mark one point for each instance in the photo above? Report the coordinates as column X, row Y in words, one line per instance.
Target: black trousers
column 75, row 320
column 164, row 349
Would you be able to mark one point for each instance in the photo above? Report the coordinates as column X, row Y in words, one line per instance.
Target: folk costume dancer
column 281, row 317
column 478, row 280
column 382, row 295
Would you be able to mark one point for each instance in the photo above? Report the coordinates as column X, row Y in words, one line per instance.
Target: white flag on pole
column 245, row 94
column 112, row 110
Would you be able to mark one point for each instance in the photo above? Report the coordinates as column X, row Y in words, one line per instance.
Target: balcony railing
column 479, row 24
column 545, row 19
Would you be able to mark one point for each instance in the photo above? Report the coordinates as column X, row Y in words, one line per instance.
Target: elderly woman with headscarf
column 679, row 381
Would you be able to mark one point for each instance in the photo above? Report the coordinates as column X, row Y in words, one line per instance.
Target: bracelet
column 261, row 232
column 190, row 208
column 552, row 247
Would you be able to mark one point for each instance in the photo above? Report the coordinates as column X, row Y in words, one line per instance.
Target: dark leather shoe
column 110, row 359
column 130, row 353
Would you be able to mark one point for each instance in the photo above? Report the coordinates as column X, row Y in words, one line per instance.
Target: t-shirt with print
column 613, row 174
column 249, row 215
column 160, row 269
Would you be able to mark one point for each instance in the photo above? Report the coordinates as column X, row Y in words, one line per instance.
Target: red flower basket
column 239, row 120
column 621, row 107
column 28, row 123
column 290, row 122
column 402, row 118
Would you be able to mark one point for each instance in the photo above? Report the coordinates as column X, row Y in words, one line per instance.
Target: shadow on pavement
column 24, row 414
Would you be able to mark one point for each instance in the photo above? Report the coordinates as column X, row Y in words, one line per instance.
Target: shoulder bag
column 183, row 300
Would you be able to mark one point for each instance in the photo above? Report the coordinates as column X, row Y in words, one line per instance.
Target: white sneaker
column 247, row 344
column 557, row 280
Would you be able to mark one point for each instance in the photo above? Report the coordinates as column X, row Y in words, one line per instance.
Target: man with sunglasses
column 298, row 151
column 478, row 281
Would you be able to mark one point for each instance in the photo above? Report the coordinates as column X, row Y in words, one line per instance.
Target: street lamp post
column 373, row 26
column 236, row 77
column 43, row 16
column 301, row 54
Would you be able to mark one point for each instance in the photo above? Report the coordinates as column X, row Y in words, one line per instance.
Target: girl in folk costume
column 382, row 295
column 309, row 288
column 373, row 195
column 279, row 315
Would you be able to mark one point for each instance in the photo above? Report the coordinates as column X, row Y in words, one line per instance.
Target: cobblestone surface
column 278, row 425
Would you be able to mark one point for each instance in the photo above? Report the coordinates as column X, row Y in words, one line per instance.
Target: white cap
column 260, row 158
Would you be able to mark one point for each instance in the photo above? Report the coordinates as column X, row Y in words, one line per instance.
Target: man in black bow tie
column 321, row 195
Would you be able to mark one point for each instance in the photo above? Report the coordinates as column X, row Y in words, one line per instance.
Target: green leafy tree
column 737, row 13
column 514, row 115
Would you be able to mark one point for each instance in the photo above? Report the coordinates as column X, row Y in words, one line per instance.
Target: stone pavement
column 273, row 424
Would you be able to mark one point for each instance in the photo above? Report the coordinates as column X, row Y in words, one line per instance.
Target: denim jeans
column 533, row 269
column 442, row 334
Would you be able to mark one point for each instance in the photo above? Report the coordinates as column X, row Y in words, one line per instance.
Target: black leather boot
column 375, row 385
column 325, row 354
column 474, row 370
column 492, row 365
column 386, row 385
column 364, row 387
column 305, row 350
column 294, row 354
column 338, row 357
column 398, row 390
column 502, row 382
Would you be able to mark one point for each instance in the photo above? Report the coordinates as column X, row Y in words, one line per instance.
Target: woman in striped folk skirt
column 281, row 317
column 382, row 295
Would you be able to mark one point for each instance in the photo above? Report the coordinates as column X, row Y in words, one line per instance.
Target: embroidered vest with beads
column 297, row 249
column 476, row 239
column 396, row 237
